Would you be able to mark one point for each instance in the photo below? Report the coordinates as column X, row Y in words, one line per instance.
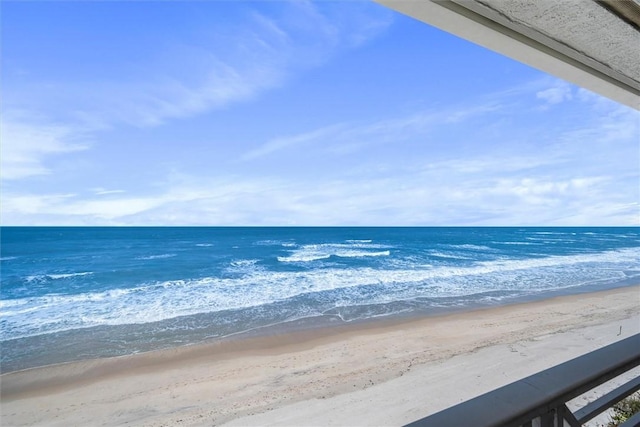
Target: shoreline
column 302, row 328
column 222, row 381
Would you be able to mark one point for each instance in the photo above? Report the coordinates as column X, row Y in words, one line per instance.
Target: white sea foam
column 204, row 245
column 356, row 249
column 243, row 262
column 440, row 254
column 472, row 247
column 67, row 275
column 169, row 299
column 8, row 258
column 160, row 256
column 411, row 261
column 244, row 266
column 517, row 243
column 56, row 276
column 360, row 254
column 304, row 257
column 268, row 242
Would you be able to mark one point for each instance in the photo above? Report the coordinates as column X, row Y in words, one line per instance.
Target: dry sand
column 378, row 373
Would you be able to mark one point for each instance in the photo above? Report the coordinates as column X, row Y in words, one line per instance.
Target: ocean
column 72, row 293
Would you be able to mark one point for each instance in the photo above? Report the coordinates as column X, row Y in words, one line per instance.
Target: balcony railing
column 541, row 399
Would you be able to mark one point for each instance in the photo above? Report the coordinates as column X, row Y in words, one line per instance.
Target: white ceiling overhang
column 591, row 43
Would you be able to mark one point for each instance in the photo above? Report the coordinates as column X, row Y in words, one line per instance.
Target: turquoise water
column 73, row 293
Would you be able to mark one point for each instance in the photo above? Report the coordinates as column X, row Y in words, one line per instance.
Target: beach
column 380, row 372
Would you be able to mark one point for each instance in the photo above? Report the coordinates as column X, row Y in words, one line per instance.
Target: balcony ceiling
column 594, row 44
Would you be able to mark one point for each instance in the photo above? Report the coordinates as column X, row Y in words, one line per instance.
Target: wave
column 244, row 266
column 151, row 302
column 315, row 252
column 67, row 275
column 161, row 256
column 41, row 277
column 472, row 247
column 275, row 242
column 308, row 257
column 304, row 257
column 243, row 262
column 517, row 243
column 543, row 240
column 360, row 254
column 8, row 258
column 447, row 255
column 271, row 242
column 204, row 245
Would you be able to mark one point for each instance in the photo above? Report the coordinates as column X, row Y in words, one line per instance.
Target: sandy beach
column 386, row 372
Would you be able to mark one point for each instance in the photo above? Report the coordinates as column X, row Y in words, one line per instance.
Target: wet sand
column 384, row 372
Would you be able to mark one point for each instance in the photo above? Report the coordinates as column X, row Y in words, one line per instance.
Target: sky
column 293, row 113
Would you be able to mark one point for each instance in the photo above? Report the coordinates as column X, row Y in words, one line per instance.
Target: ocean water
column 85, row 292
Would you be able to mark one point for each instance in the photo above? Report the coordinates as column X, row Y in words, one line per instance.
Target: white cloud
column 103, row 192
column 282, row 143
column 559, row 92
column 343, row 138
column 199, row 74
column 259, row 54
column 415, row 198
column 538, row 191
column 578, row 175
column 611, row 122
column 25, row 146
column 585, row 173
column 16, row 206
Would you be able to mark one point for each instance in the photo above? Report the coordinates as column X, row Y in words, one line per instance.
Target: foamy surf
column 136, row 287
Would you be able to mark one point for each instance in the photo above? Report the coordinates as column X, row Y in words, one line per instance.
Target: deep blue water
column 72, row 293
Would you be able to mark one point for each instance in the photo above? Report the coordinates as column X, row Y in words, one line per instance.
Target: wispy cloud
column 414, row 198
column 25, row 146
column 582, row 174
column 559, row 92
column 278, row 144
column 103, row 192
column 256, row 54
column 20, row 209
column 610, row 121
column 498, row 159
column 342, row 138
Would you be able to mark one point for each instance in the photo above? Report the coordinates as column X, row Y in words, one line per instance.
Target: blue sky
column 293, row 113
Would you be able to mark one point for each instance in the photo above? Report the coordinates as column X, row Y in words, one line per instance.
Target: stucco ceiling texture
column 591, row 43
column 583, row 25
